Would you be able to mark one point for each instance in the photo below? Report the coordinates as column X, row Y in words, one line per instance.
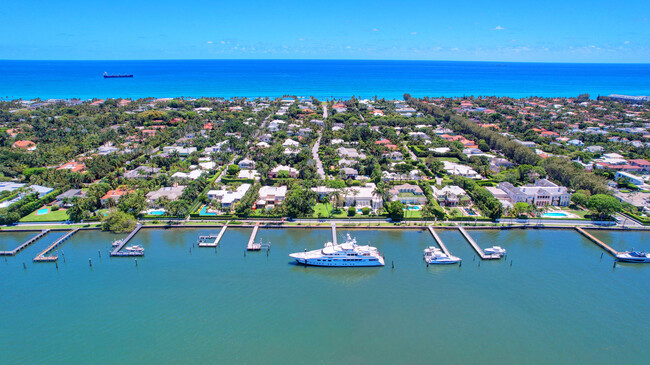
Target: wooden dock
column 334, row 239
column 475, row 246
column 600, row 243
column 443, row 247
column 252, row 246
column 117, row 251
column 212, row 240
column 24, row 245
column 41, row 257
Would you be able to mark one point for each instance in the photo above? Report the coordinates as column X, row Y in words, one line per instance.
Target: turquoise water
column 554, row 214
column 157, row 212
column 42, row 211
column 559, row 302
column 204, row 212
column 324, row 79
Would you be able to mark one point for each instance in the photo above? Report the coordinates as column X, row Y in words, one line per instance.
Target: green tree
column 580, row 199
column 352, row 212
column 395, row 211
column 604, row 205
column 118, row 222
column 132, row 203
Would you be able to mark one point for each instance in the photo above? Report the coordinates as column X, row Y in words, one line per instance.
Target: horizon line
column 314, row 59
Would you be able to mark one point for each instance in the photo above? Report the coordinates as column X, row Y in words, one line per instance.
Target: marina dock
column 212, row 240
column 334, row 239
column 475, row 246
column 252, row 246
column 600, row 243
column 41, row 257
column 443, row 247
column 117, row 251
column 24, row 245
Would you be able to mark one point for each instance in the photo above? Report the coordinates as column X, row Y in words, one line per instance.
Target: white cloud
column 498, row 27
column 414, row 33
column 375, row 30
column 209, row 42
column 301, row 39
column 626, row 42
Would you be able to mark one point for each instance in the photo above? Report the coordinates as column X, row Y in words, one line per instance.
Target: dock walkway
column 24, row 245
column 212, row 240
column 600, row 243
column 475, row 246
column 252, row 246
column 443, row 247
column 41, row 257
column 117, row 250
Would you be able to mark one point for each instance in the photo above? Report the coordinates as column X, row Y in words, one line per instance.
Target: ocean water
column 320, row 78
column 559, row 302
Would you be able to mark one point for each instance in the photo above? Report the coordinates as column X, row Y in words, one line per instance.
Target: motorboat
column 434, row 255
column 342, row 255
column 116, row 243
column 495, row 250
column 633, row 256
column 134, row 248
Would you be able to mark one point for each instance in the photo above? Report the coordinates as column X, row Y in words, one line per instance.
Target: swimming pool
column 157, row 212
column 203, row 212
column 414, row 207
column 42, row 211
column 555, row 215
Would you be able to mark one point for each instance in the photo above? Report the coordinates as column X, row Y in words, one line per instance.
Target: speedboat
column 633, row 256
column 136, row 248
column 495, row 250
column 343, row 255
column 434, row 255
column 116, row 243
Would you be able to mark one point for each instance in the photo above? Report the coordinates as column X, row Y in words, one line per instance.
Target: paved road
column 314, row 151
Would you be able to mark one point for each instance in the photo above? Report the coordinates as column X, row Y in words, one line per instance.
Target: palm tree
column 336, row 194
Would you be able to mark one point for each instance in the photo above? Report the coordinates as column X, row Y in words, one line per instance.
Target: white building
column 408, row 194
column 226, row 197
column 461, row 170
column 542, row 193
column 271, row 195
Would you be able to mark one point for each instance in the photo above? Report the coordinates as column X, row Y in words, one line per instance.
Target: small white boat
column 116, row 243
column 434, row 255
column 633, row 256
column 135, row 248
column 495, row 250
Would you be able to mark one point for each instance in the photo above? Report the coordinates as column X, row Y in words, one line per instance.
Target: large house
column 226, row 197
column 293, row 173
column 542, row 193
column 171, row 192
column 450, row 196
column 142, row 172
column 114, row 195
column 350, row 153
column 408, row 194
column 270, row 196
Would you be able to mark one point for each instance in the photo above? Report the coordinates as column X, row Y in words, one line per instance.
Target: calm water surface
column 559, row 302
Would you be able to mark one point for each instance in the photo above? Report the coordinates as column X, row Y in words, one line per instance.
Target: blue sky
column 550, row 31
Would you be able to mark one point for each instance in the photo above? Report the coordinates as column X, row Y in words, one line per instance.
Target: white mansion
column 542, row 193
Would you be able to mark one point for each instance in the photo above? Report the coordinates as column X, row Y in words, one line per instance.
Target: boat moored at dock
column 434, row 255
column 633, row 256
column 495, row 250
column 343, row 255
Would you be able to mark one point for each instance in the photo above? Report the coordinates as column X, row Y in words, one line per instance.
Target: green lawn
column 326, row 209
column 53, row 216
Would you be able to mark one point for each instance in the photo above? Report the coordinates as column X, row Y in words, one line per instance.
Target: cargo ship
column 107, row 76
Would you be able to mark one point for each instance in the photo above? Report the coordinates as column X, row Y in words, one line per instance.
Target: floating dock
column 212, row 240
column 252, row 246
column 41, row 256
column 475, row 246
column 24, row 245
column 443, row 247
column 600, row 243
column 334, row 239
column 117, row 250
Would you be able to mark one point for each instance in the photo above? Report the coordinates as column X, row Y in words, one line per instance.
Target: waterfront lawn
column 326, row 209
column 60, row 215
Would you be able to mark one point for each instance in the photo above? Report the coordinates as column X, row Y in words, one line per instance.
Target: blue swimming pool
column 42, row 211
column 556, row 215
column 157, row 212
column 203, row 212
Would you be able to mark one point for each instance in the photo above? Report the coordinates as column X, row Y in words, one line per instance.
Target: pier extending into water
column 443, row 247
column 41, row 256
column 252, row 246
column 334, row 239
column 600, row 243
column 475, row 246
column 24, row 245
column 117, row 250
column 212, row 240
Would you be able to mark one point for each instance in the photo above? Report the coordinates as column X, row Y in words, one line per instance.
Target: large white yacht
column 434, row 255
column 633, row 256
column 345, row 254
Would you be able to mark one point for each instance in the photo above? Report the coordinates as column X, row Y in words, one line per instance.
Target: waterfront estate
column 416, row 159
